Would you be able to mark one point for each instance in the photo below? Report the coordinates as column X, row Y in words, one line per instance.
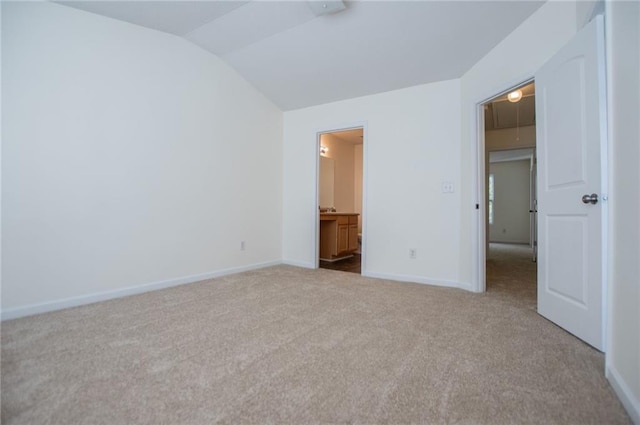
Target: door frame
column 478, row 229
column 316, row 214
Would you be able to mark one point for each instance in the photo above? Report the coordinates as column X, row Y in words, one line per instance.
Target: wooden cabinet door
column 353, row 237
column 343, row 238
column 328, row 240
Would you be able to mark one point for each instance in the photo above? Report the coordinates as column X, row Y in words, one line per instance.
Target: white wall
column 343, row 155
column 130, row 157
column 512, row 61
column 511, row 221
column 411, row 145
column 623, row 70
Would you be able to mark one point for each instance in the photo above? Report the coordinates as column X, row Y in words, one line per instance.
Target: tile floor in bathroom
column 351, row 265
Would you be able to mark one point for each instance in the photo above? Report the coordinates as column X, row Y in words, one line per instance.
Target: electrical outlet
column 447, row 187
column 242, row 246
column 413, row 253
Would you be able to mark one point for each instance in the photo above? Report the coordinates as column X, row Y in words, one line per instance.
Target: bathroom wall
column 325, row 190
column 343, row 155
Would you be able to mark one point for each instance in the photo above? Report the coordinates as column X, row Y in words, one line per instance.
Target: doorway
column 510, row 194
column 571, row 192
column 340, row 200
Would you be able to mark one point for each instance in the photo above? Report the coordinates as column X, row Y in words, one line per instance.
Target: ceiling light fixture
column 514, row 96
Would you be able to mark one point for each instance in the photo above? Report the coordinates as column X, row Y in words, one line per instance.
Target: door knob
column 590, row 199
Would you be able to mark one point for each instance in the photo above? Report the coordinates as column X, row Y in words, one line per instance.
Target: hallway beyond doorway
column 511, row 273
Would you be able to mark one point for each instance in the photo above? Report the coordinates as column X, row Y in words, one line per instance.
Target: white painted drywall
column 343, row 156
column 511, row 221
column 514, row 60
column 130, row 156
column 412, row 145
column 623, row 70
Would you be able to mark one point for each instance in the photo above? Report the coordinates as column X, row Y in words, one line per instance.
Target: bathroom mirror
column 327, row 167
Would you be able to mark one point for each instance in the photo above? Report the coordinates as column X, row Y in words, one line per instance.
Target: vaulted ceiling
column 298, row 59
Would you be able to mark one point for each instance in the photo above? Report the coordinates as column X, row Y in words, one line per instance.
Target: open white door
column 570, row 131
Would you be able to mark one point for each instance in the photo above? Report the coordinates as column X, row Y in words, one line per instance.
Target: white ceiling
column 297, row 59
column 175, row 17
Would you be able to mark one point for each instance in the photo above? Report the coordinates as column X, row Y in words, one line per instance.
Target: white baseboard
column 630, row 403
column 303, row 264
column 411, row 278
column 466, row 286
column 14, row 313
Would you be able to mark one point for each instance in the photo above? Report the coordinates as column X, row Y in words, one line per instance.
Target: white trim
column 467, row 286
column 365, row 189
column 416, row 279
column 608, row 312
column 604, row 174
column 303, row 264
column 624, row 393
column 316, row 229
column 315, row 238
column 478, row 229
column 29, row 310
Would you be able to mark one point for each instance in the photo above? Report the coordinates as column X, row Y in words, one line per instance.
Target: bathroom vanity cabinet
column 338, row 235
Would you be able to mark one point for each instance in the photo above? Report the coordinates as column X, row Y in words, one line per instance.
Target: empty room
column 169, row 255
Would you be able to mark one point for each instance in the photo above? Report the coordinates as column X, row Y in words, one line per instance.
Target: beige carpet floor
column 294, row 346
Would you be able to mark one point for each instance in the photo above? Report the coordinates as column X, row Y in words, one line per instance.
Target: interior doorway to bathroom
column 340, row 194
